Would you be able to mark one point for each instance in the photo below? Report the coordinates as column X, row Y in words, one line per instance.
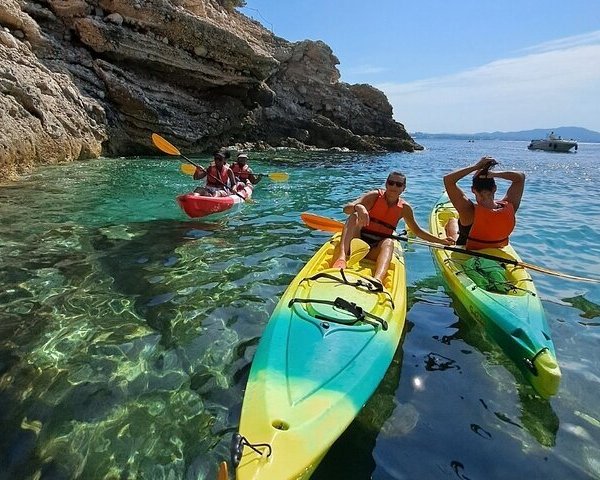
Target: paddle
column 329, row 225
column 275, row 176
column 170, row 149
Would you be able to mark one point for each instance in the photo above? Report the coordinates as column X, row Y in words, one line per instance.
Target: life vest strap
column 488, row 241
column 381, row 222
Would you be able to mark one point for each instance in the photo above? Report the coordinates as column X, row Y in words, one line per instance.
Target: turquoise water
column 127, row 330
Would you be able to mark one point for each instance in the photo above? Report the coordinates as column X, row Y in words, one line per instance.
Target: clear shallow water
column 127, row 330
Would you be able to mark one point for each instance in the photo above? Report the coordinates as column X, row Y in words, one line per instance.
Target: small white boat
column 552, row 143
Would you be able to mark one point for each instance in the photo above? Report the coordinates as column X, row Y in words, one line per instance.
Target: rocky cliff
column 80, row 78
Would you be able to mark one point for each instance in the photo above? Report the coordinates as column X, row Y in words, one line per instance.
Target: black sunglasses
column 392, row 182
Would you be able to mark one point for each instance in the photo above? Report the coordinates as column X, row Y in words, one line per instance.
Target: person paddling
column 485, row 223
column 375, row 215
column 219, row 177
column 243, row 172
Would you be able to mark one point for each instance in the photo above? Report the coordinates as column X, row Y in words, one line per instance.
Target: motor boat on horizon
column 553, row 143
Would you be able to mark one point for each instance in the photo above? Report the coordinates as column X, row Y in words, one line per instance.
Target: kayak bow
column 324, row 351
column 196, row 206
column 514, row 319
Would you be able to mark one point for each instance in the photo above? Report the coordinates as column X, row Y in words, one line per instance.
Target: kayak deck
column 515, row 318
column 326, row 348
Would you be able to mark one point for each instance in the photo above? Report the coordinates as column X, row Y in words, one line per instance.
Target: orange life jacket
column 491, row 228
column 242, row 173
column 213, row 174
column 384, row 218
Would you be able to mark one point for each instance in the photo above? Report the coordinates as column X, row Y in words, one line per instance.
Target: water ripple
column 127, row 330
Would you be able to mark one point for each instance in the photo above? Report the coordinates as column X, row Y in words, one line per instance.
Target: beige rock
column 44, row 118
column 115, row 18
column 185, row 68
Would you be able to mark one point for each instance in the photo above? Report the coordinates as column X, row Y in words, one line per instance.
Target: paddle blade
column 321, row 223
column 163, row 145
column 358, row 250
column 223, row 473
column 279, row 176
column 187, row 169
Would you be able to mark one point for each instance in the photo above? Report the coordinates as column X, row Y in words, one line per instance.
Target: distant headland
column 576, row 133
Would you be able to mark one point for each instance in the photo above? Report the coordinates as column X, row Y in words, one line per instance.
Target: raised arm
column 515, row 190
column 458, row 198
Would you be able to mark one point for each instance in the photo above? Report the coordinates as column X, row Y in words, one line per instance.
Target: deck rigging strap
column 370, row 285
column 350, row 307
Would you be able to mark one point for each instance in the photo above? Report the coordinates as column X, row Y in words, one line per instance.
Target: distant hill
column 576, row 133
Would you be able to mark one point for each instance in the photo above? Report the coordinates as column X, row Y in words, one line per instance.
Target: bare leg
column 451, row 228
column 384, row 257
column 351, row 230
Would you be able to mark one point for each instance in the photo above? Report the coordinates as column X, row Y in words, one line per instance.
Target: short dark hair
column 397, row 174
column 222, row 153
column 481, row 183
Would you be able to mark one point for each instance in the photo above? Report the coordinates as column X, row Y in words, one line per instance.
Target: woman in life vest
column 485, row 223
column 219, row 178
column 375, row 215
column 242, row 171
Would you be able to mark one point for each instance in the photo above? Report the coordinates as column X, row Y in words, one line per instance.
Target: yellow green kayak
column 325, row 349
column 507, row 303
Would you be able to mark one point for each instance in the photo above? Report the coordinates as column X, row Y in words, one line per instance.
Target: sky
column 462, row 66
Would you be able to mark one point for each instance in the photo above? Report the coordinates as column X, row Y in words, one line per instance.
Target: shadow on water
column 131, row 338
column 173, row 270
column 149, row 263
column 351, row 456
column 589, row 310
column 537, row 415
column 455, row 396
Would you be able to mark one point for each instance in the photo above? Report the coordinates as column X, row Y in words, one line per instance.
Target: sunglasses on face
column 391, row 183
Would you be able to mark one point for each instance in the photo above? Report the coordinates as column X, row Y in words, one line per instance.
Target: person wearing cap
column 485, row 223
column 219, row 177
column 243, row 172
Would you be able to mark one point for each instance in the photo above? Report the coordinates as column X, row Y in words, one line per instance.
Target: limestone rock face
column 44, row 117
column 307, row 88
column 188, row 69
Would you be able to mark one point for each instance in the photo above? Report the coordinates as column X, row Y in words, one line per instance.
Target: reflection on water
column 589, row 309
column 127, row 330
column 536, row 415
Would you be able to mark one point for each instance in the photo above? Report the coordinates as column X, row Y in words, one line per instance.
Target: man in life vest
column 242, row 171
column 373, row 217
column 485, row 223
column 219, row 178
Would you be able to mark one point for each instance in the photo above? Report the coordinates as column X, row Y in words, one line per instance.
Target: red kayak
column 196, row 205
